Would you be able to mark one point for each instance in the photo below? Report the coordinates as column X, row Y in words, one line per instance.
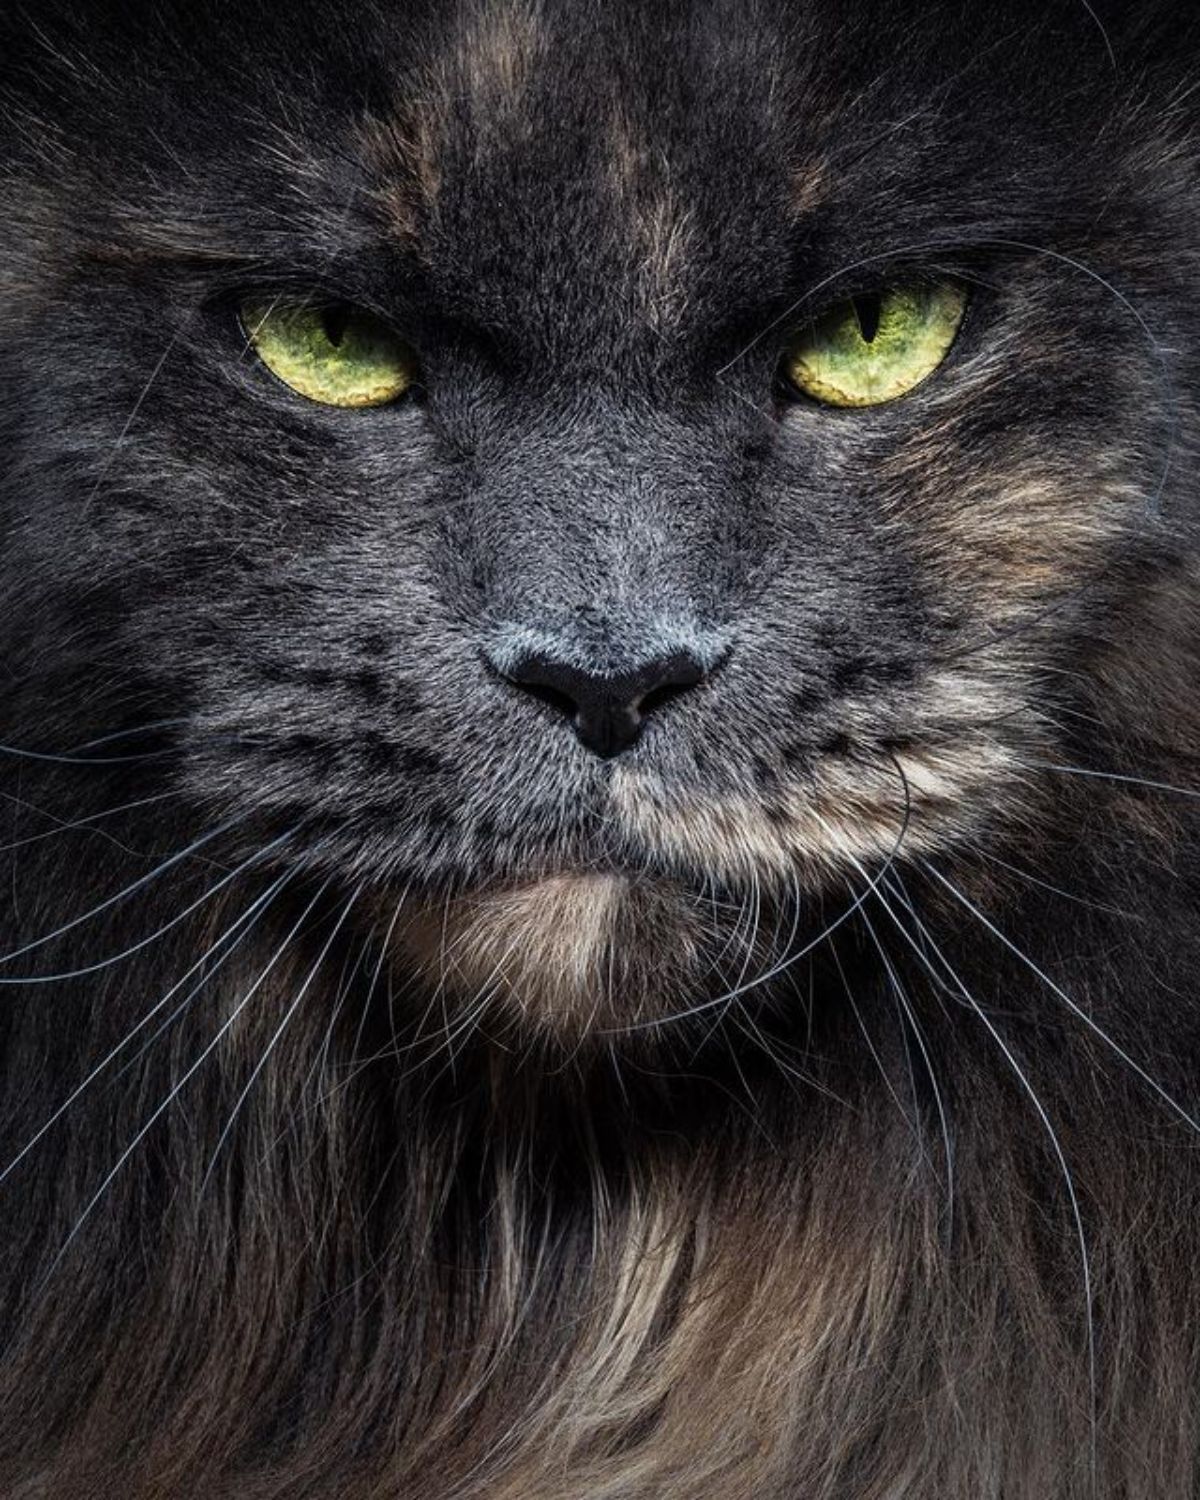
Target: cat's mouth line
column 811, row 835
column 832, row 827
column 586, row 945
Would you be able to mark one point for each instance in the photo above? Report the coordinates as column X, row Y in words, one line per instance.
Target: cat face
column 602, row 622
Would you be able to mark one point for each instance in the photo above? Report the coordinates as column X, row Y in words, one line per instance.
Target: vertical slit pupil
column 334, row 320
column 868, row 310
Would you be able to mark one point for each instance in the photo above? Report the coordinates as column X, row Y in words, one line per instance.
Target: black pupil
column 334, row 320
column 867, row 310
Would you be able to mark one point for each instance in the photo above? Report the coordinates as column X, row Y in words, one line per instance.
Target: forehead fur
column 499, row 45
column 600, row 225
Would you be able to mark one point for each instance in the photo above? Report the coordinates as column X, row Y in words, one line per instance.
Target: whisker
column 116, row 958
column 247, row 922
column 140, row 884
column 1031, row 879
column 125, row 734
column 790, row 959
column 1055, row 1144
column 352, row 964
column 913, row 1127
column 1103, row 30
column 279, row 1030
column 1153, row 786
column 72, row 757
column 1056, row 989
column 128, row 424
column 206, row 978
column 69, row 825
column 485, row 993
column 224, row 1029
column 906, row 1005
column 746, row 1023
column 750, row 1028
column 748, row 915
column 374, row 980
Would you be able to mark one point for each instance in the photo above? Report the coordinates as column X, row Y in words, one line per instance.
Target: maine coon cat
column 598, row 617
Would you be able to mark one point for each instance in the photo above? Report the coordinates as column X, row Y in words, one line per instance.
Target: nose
column 606, row 709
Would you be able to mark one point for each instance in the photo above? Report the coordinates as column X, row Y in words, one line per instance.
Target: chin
column 581, row 957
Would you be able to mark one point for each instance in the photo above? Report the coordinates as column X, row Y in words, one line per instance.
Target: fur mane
column 361, row 1262
column 285, row 1215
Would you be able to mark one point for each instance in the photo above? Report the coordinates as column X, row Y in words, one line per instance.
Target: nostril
column 606, row 708
column 686, row 679
column 660, row 696
column 551, row 696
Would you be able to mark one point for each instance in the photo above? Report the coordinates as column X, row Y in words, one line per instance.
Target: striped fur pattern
column 397, row 1100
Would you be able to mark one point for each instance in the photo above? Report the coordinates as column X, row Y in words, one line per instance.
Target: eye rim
column 792, row 393
column 297, row 300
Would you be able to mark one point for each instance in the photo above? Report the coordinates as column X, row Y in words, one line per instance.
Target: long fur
column 395, row 1099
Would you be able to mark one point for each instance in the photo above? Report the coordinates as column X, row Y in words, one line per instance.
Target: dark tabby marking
column 401, row 1101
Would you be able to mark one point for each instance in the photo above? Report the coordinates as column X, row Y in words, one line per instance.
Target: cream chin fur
column 544, row 944
column 578, row 952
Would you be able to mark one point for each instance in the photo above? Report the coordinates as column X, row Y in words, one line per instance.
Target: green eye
column 329, row 352
column 872, row 349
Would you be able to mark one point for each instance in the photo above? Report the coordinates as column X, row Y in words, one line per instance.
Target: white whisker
column 224, row 1029
column 123, row 895
column 246, row 922
column 279, row 1030
column 1071, row 1004
column 1055, row 1144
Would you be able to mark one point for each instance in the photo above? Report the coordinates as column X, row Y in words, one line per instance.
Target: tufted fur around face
column 399, row 1099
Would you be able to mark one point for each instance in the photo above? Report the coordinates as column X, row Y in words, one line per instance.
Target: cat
column 599, row 615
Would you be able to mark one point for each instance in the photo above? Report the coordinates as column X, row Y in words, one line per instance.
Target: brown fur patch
column 402, row 153
column 482, row 79
column 657, row 224
column 579, row 957
column 543, row 944
column 810, row 187
column 499, row 50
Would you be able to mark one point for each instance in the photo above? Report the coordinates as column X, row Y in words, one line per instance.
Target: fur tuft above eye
column 333, row 353
column 872, row 349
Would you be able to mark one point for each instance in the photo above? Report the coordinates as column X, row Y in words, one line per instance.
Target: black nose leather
column 607, row 710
